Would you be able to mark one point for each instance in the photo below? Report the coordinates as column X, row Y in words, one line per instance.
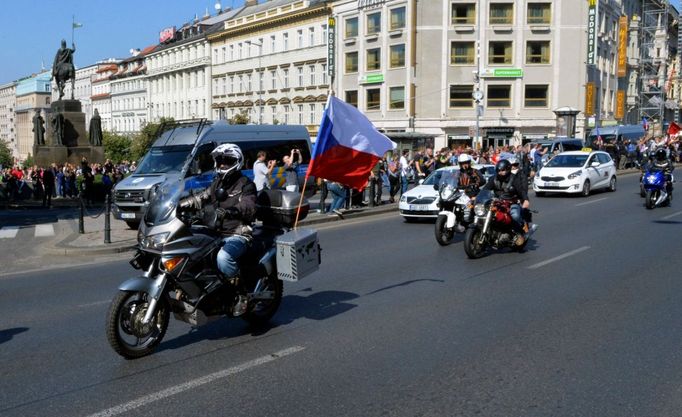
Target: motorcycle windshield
column 484, row 196
column 163, row 200
column 447, row 185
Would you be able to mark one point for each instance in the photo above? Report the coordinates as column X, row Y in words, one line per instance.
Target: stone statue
column 96, row 129
column 58, row 128
column 38, row 129
column 62, row 68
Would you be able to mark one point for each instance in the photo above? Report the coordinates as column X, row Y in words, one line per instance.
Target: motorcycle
column 178, row 245
column 654, row 189
column 492, row 226
column 456, row 208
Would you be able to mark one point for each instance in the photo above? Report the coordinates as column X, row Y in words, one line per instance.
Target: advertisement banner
column 167, row 34
column 622, row 46
column 592, row 13
column 619, row 111
column 589, row 99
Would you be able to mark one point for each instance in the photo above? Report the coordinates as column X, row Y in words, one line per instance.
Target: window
column 373, row 99
column 351, row 27
column 461, row 96
column 215, row 56
column 311, row 36
column 537, row 52
column 273, row 44
column 300, row 114
column 224, row 54
column 397, row 56
column 352, row 97
column 300, row 38
column 311, row 114
column 351, row 62
column 324, row 34
column 249, row 87
column 373, row 59
column 286, row 114
column 286, row 41
column 373, row 23
column 536, row 96
column 539, row 13
column 260, row 81
column 299, row 70
column 462, row 53
column 241, row 83
column 499, row 95
column 397, row 18
column 231, row 52
column 464, row 14
column 312, row 75
column 324, row 74
column 232, row 84
column 396, row 98
column 286, row 78
column 239, row 51
column 273, row 80
column 500, row 53
column 501, row 13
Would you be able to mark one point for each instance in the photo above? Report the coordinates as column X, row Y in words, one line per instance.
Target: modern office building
column 8, row 101
column 33, row 95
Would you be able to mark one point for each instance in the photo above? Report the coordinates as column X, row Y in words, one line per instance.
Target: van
column 183, row 150
column 616, row 134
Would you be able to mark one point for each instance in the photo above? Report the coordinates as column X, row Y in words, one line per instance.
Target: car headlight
column 154, row 241
column 479, row 209
column 574, row 175
column 403, row 199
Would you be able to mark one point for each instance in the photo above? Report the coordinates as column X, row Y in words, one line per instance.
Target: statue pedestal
column 44, row 156
column 74, row 123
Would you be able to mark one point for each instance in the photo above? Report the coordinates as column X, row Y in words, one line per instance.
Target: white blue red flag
column 348, row 146
column 645, row 123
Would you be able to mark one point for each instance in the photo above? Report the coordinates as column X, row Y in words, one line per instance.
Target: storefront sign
column 502, row 73
column 372, row 79
column 622, row 46
column 620, row 105
column 589, row 99
column 167, row 34
column 592, row 12
column 331, row 47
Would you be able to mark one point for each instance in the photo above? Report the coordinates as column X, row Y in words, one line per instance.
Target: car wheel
column 586, row 188
column 612, row 184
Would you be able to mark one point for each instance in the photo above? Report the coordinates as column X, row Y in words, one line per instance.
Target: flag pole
column 73, row 28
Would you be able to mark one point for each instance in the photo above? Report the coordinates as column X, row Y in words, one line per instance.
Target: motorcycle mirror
column 435, row 187
column 221, row 194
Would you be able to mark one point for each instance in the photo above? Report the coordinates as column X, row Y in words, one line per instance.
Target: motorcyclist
column 511, row 187
column 468, row 176
column 661, row 162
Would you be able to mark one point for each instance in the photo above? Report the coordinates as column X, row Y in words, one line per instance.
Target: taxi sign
column 586, row 149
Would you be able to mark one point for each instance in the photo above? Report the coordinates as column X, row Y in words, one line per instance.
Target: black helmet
column 661, row 155
column 502, row 165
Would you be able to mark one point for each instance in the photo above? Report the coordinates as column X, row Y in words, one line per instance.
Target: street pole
column 260, row 84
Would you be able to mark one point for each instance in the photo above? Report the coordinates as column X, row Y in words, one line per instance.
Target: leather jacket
column 240, row 203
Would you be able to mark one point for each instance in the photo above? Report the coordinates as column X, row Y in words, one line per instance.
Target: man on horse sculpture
column 62, row 68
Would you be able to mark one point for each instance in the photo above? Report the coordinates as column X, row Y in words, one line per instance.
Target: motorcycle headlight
column 479, row 209
column 574, row 175
column 154, row 241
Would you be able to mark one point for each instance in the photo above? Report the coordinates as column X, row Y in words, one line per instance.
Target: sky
column 33, row 29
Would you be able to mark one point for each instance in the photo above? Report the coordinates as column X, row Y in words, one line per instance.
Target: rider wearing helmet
column 662, row 162
column 468, row 176
column 510, row 187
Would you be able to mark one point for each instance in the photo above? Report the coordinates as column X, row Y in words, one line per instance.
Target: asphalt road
column 585, row 323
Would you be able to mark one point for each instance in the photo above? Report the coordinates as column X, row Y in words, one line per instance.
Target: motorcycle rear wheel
column 650, row 199
column 471, row 246
column 260, row 312
column 124, row 322
column 443, row 234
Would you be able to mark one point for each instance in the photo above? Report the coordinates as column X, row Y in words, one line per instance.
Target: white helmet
column 228, row 158
column 464, row 158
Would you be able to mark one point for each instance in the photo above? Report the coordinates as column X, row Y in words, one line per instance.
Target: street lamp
column 260, row 80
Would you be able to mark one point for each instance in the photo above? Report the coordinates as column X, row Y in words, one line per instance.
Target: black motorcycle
column 178, row 245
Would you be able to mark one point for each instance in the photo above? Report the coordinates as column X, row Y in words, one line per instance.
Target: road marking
column 44, row 230
column 558, row 258
column 591, row 201
column 670, row 216
column 9, row 232
column 177, row 389
column 95, row 303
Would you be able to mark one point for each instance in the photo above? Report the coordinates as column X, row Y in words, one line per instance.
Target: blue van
column 616, row 134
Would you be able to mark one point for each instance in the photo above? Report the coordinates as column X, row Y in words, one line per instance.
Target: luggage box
column 298, row 254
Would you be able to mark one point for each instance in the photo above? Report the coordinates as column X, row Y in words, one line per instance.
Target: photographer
column 291, row 169
column 261, row 171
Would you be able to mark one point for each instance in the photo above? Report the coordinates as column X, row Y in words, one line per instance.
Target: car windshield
column 567, row 161
column 162, row 202
column 166, row 159
column 434, row 178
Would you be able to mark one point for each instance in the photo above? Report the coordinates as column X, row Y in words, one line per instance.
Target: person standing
column 404, row 171
column 48, row 184
column 322, row 186
column 393, row 178
column 338, row 198
column 261, row 171
column 426, row 163
column 291, row 169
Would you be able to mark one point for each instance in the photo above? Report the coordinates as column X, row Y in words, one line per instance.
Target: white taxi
column 576, row 172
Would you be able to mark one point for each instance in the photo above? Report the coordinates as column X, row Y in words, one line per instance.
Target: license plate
column 551, row 184
column 127, row 215
column 419, row 207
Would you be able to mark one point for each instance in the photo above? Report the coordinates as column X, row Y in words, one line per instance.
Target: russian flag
column 645, row 123
column 348, row 146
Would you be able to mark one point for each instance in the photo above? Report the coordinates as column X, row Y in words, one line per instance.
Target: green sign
column 508, row 72
column 373, row 79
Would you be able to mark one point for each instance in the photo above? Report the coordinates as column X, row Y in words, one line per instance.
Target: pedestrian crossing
column 38, row 230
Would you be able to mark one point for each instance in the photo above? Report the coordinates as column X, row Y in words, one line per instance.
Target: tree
column 29, row 161
column 241, row 118
column 116, row 147
column 6, row 159
column 145, row 139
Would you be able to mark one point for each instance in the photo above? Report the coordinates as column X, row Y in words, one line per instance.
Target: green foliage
column 116, row 147
column 241, row 118
column 144, row 140
column 29, row 161
column 6, row 159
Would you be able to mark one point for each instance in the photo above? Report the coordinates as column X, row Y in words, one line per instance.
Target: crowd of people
column 631, row 153
column 61, row 180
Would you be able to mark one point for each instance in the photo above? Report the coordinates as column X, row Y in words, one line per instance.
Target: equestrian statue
column 63, row 69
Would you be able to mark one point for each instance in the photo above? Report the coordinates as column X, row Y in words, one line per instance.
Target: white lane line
column 591, row 201
column 558, row 258
column 670, row 216
column 177, row 389
column 9, row 232
column 95, row 303
column 44, row 230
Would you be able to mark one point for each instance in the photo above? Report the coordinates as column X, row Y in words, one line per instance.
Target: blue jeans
column 233, row 248
column 338, row 196
column 403, row 184
column 515, row 212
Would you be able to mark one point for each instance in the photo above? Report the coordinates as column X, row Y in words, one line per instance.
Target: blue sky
column 33, row 29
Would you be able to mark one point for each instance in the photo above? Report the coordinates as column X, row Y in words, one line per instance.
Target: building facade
column 101, row 91
column 8, row 102
column 129, row 110
column 270, row 63
column 33, row 95
column 527, row 58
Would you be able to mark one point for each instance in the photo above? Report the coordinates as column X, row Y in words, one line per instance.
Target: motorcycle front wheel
column 650, row 199
column 125, row 331
column 471, row 246
column 260, row 311
column 443, row 234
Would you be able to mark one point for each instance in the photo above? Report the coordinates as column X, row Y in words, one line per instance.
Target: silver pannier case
column 278, row 208
column 298, row 254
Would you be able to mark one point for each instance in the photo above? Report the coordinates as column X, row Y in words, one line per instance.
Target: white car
column 422, row 200
column 576, row 172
